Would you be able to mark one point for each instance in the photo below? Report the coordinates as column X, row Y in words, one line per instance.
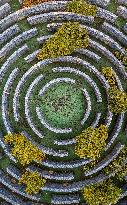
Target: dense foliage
column 118, row 165
column 24, row 150
column 91, row 142
column 33, row 182
column 109, row 75
column 28, row 3
column 68, row 37
column 117, row 100
column 90, row 165
column 122, row 57
column 103, row 193
column 81, row 7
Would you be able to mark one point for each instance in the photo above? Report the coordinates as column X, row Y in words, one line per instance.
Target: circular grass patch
column 63, row 105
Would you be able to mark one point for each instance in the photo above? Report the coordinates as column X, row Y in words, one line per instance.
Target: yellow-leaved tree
column 33, row 182
column 117, row 100
column 104, row 193
column 118, row 165
column 109, row 75
column 23, row 149
column 81, row 7
column 28, row 3
column 68, row 37
column 91, row 142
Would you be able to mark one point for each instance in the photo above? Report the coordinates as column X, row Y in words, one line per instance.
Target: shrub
column 117, row 100
column 109, row 75
column 91, row 142
column 103, row 193
column 33, row 182
column 68, row 37
column 24, row 150
column 122, row 57
column 81, row 7
column 118, row 165
column 98, row 21
column 90, row 165
column 28, row 3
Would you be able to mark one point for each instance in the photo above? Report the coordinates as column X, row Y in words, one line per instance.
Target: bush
column 109, row 75
column 28, row 3
column 90, row 143
column 81, row 7
column 117, row 100
column 103, row 193
column 90, row 165
column 33, row 182
column 98, row 21
column 118, row 165
column 68, row 37
column 24, row 150
column 122, row 57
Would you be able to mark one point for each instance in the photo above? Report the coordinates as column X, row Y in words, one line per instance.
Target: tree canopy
column 91, row 142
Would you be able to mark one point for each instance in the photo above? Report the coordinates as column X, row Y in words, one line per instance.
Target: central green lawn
column 62, row 105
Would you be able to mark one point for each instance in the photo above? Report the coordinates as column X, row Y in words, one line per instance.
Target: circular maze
column 26, row 83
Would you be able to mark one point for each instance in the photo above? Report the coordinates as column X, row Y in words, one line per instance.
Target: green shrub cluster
column 68, row 37
column 103, row 193
column 91, row 142
column 117, row 100
column 81, row 7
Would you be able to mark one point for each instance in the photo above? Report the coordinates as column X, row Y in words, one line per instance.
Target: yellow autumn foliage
column 121, row 57
column 117, row 100
column 33, row 181
column 68, row 37
column 109, row 75
column 91, row 142
column 118, row 165
column 24, row 150
column 104, row 193
column 28, row 3
column 81, row 7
